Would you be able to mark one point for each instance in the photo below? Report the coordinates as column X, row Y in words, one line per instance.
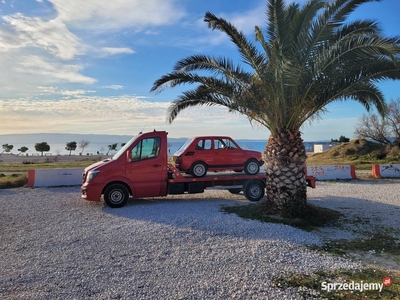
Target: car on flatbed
column 215, row 153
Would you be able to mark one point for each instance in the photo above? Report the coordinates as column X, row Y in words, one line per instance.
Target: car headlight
column 91, row 175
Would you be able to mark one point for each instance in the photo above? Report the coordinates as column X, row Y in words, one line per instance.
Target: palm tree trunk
column 285, row 157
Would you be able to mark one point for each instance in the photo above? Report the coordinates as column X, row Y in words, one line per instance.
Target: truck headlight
column 91, row 175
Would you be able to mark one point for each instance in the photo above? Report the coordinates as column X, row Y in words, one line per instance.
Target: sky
column 88, row 66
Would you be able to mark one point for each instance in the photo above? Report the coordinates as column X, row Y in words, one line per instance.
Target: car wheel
column 251, row 167
column 198, row 169
column 254, row 190
column 116, row 195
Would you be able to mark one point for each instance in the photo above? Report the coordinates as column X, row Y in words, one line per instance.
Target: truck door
column 147, row 170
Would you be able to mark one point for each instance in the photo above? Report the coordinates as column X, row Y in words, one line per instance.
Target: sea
column 99, row 144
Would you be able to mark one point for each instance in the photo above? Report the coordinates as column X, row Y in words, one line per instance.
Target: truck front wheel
column 254, row 190
column 116, row 195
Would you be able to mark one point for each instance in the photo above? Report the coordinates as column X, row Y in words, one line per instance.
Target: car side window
column 146, row 149
column 204, row 145
column 224, row 144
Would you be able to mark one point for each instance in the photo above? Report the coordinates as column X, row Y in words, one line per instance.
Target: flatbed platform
column 227, row 178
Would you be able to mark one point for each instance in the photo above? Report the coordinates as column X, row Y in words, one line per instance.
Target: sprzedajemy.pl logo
column 356, row 286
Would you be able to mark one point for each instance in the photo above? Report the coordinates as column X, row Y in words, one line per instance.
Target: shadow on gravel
column 205, row 215
column 8, row 192
column 368, row 232
column 365, row 214
column 360, row 216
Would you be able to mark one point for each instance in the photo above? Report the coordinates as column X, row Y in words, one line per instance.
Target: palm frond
column 248, row 51
column 309, row 57
column 217, row 66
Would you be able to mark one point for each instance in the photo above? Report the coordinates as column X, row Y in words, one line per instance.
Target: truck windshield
column 124, row 148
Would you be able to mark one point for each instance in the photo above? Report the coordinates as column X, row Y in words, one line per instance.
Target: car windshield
column 124, row 148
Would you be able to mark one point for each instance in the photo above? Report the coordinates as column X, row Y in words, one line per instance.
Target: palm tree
column 308, row 57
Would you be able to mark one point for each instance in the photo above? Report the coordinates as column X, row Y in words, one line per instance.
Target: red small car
column 215, row 153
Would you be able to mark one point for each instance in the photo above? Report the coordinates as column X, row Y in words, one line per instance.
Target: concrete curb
column 55, row 177
column 387, row 171
column 333, row 172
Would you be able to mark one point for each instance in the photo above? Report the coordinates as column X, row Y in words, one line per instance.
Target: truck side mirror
column 129, row 155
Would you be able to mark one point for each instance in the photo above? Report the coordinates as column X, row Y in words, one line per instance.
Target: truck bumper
column 91, row 192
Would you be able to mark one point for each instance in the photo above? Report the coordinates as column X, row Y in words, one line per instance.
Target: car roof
column 212, row 137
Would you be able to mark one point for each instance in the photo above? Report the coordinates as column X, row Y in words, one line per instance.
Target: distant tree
column 112, row 147
column 71, row 146
column 384, row 130
column 83, row 144
column 42, row 147
column 23, row 149
column 7, row 148
column 342, row 139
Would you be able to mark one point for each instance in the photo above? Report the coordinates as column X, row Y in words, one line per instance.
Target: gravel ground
column 370, row 203
column 54, row 245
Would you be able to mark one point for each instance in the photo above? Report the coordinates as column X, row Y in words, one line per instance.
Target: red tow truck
column 140, row 169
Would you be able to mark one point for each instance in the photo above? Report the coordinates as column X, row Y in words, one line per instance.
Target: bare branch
column 383, row 130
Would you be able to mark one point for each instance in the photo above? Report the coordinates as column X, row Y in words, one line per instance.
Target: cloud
column 80, row 113
column 90, row 113
column 114, row 87
column 51, row 47
column 117, row 115
column 58, row 71
column 101, row 15
column 51, row 90
column 114, row 51
column 49, row 71
column 55, row 35
column 52, row 36
column 22, row 73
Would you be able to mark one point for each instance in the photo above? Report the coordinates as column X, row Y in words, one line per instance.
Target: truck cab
column 138, row 169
